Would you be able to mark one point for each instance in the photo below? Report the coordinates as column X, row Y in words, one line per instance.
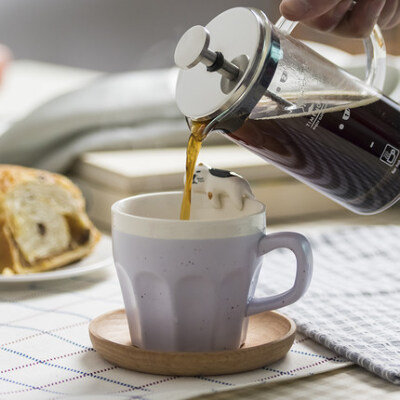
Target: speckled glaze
column 195, row 294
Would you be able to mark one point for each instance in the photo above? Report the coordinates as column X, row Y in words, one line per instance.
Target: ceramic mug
column 189, row 285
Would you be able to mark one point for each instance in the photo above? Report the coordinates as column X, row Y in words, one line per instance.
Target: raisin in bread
column 43, row 223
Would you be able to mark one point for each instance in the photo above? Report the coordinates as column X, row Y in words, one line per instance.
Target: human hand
column 343, row 17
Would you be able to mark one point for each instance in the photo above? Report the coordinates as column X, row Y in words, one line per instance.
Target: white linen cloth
column 123, row 111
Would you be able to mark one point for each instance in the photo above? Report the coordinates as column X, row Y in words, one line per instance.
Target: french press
column 252, row 82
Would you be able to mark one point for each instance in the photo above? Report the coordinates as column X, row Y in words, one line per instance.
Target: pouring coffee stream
column 193, row 148
column 273, row 95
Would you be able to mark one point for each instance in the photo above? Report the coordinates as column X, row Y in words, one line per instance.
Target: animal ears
column 203, row 165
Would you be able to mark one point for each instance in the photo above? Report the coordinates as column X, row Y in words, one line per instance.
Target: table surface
column 59, row 346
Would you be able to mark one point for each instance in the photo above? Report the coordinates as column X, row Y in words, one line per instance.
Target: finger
column 388, row 12
column 360, row 21
column 296, row 10
column 328, row 21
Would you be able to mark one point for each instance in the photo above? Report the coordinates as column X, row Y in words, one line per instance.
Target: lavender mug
column 189, row 285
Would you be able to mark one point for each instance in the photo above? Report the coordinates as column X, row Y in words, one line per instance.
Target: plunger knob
column 193, row 48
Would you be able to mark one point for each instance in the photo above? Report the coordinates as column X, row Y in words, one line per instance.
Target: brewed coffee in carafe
column 298, row 111
column 350, row 154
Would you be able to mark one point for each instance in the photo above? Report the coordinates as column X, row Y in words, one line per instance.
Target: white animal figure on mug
column 217, row 182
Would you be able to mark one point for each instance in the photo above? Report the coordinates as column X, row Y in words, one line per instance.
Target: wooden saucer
column 270, row 336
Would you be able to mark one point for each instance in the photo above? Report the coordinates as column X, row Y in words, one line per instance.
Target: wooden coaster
column 270, row 336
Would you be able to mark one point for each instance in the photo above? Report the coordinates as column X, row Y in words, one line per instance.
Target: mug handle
column 301, row 248
column 375, row 50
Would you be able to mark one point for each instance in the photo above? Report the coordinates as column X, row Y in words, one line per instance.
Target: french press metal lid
column 235, row 45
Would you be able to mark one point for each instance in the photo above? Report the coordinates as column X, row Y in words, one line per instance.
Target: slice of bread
column 43, row 223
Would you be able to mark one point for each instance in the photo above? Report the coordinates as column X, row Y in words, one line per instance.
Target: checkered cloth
column 46, row 352
column 353, row 304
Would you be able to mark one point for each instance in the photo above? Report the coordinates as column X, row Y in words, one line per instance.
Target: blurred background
column 107, row 35
column 121, row 35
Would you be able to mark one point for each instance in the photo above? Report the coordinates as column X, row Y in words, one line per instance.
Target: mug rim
column 254, row 222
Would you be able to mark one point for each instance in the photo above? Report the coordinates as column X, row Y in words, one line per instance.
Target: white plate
column 100, row 257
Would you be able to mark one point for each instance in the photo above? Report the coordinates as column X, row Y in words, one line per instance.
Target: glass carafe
column 275, row 96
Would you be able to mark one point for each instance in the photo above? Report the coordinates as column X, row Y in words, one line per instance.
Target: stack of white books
column 105, row 177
